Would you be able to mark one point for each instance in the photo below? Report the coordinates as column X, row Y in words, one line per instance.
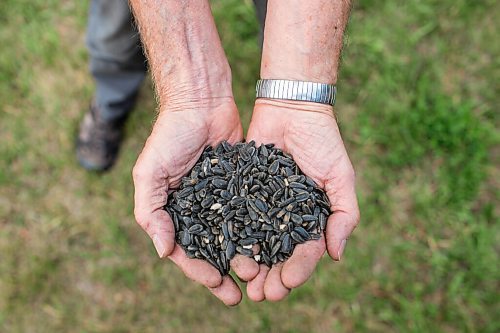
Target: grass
column 416, row 106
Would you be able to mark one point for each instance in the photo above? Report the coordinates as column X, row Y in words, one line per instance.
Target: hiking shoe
column 98, row 141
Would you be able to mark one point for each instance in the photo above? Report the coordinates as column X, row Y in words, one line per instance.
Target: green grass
column 418, row 99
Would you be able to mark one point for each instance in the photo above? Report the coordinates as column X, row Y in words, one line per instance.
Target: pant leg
column 261, row 8
column 117, row 62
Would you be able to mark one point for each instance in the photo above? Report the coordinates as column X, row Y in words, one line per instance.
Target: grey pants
column 117, row 61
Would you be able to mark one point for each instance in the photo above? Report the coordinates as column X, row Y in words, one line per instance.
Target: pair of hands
column 306, row 130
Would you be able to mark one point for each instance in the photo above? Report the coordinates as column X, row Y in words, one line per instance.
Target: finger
column 149, row 198
column 228, row 292
column 255, row 287
column 340, row 226
column 246, row 268
column 274, row 290
column 299, row 267
column 196, row 269
column 344, row 205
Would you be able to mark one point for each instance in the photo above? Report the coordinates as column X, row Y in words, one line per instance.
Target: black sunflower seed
column 286, row 244
column 219, row 183
column 307, row 217
column 244, row 199
column 230, row 250
column 195, row 229
column 273, row 168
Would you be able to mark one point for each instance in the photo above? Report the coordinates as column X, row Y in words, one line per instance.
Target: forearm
column 184, row 50
column 303, row 39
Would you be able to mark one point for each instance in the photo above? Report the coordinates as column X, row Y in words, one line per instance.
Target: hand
column 310, row 133
column 179, row 136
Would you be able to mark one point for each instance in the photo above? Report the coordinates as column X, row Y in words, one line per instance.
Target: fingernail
column 341, row 248
column 159, row 246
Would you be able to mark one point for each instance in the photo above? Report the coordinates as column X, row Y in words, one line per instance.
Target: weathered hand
column 178, row 138
column 310, row 133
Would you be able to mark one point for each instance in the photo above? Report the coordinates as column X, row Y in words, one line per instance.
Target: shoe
column 98, row 141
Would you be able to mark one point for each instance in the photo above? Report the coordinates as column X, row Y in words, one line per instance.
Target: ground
column 418, row 94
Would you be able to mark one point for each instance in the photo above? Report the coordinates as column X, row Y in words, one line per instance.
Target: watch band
column 297, row 91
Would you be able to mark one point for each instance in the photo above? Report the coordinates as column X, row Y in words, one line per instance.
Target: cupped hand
column 309, row 132
column 178, row 138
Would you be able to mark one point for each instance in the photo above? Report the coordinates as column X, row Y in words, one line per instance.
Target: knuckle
column 356, row 217
column 141, row 218
column 138, row 172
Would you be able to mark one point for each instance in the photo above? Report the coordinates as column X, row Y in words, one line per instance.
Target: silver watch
column 297, row 91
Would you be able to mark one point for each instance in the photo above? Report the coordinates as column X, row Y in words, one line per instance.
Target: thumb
column 344, row 204
column 151, row 191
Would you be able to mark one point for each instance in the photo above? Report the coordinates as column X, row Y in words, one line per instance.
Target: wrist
column 195, row 83
column 289, row 70
column 289, row 107
column 201, row 105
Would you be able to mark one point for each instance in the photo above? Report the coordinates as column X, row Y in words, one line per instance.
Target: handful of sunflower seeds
column 244, row 199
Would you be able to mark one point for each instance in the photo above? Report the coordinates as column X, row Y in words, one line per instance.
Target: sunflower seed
column 248, row 241
column 286, row 244
column 296, row 218
column 195, row 229
column 219, row 183
column 303, row 233
column 273, row 168
column 216, row 206
column 308, row 218
column 261, row 205
column 249, row 200
column 230, row 250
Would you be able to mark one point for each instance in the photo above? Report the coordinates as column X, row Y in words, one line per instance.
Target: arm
column 193, row 84
column 184, row 51
column 303, row 41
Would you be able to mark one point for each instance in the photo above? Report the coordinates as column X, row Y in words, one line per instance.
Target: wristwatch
column 296, row 90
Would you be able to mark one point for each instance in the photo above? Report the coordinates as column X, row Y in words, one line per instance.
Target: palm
column 174, row 146
column 178, row 138
column 315, row 143
column 313, row 139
